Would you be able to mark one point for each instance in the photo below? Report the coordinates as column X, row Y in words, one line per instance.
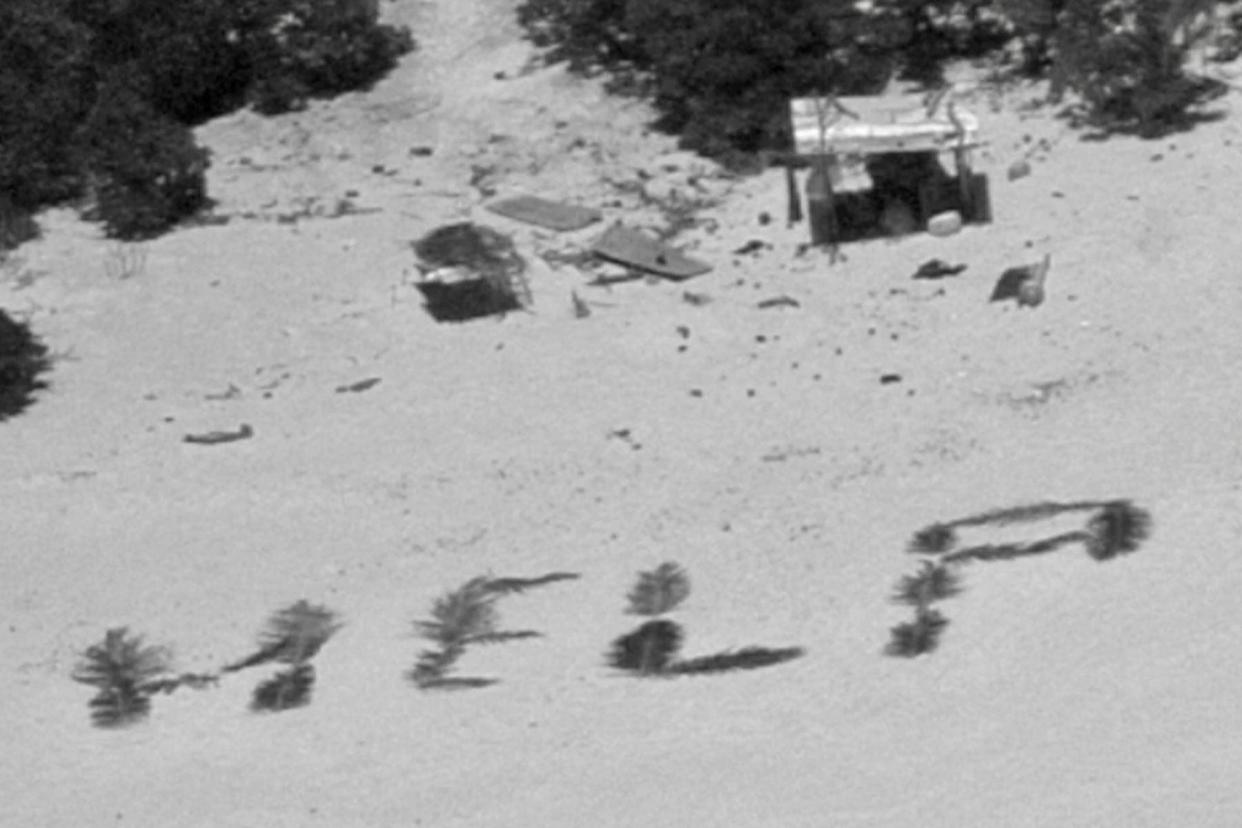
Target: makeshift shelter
column 470, row 271
column 875, row 164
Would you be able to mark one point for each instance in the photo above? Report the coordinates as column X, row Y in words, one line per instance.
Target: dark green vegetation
column 1113, row 528
column 720, row 72
column 97, row 96
column 23, row 358
column 651, row 650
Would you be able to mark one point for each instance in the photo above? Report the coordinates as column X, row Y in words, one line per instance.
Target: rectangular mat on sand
column 551, row 214
column 634, row 248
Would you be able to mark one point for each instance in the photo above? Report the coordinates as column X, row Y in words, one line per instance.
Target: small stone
column 1019, row 169
column 945, row 224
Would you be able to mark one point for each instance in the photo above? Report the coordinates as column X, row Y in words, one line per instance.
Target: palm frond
column 505, row 586
column 659, row 591
column 502, row 636
column 914, row 638
column 287, row 689
column 465, row 613
column 121, row 661
column 932, row 540
column 1025, row 513
column 117, row 708
column 123, row 669
column 648, row 650
column 296, row 633
column 934, row 582
column 747, row 658
column 1118, row 529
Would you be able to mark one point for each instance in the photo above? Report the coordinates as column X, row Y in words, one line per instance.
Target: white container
column 945, row 224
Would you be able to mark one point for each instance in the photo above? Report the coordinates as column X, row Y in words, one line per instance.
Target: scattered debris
column 779, row 302
column 1019, row 169
column 1024, row 284
column 752, row 246
column 551, row 214
column 361, row 385
column 212, row 438
column 231, row 393
column 635, row 249
column 581, row 309
column 937, row 269
column 696, row 299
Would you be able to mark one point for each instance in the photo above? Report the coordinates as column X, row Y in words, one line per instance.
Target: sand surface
column 755, row 446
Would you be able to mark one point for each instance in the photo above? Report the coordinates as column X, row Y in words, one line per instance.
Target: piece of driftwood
column 360, row 385
column 937, row 269
column 551, row 214
column 634, row 248
column 211, row 438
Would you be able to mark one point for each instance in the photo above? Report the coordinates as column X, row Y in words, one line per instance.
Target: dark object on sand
column 551, row 214
column 752, row 246
column 937, row 269
column 360, row 385
column 781, row 301
column 635, row 249
column 747, row 658
column 22, row 359
column 794, row 214
column 212, row 438
column 1024, row 284
column 475, row 272
column 917, row 637
column 285, row 690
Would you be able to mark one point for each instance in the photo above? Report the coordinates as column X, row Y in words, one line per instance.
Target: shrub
column 320, row 47
column 189, row 52
column 22, row 359
column 147, row 169
column 46, row 82
column 725, row 69
column 1126, row 59
column 589, row 35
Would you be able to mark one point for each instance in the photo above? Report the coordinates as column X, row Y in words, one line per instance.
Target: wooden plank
column 636, row 249
column 540, row 211
column 869, row 126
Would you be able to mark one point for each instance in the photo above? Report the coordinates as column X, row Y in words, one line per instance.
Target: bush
column 23, row 358
column 96, row 93
column 320, row 47
column 721, row 71
column 590, row 35
column 724, row 70
column 189, row 52
column 46, row 84
column 1126, row 58
column 148, row 171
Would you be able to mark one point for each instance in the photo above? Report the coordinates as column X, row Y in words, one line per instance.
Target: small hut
column 876, row 164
